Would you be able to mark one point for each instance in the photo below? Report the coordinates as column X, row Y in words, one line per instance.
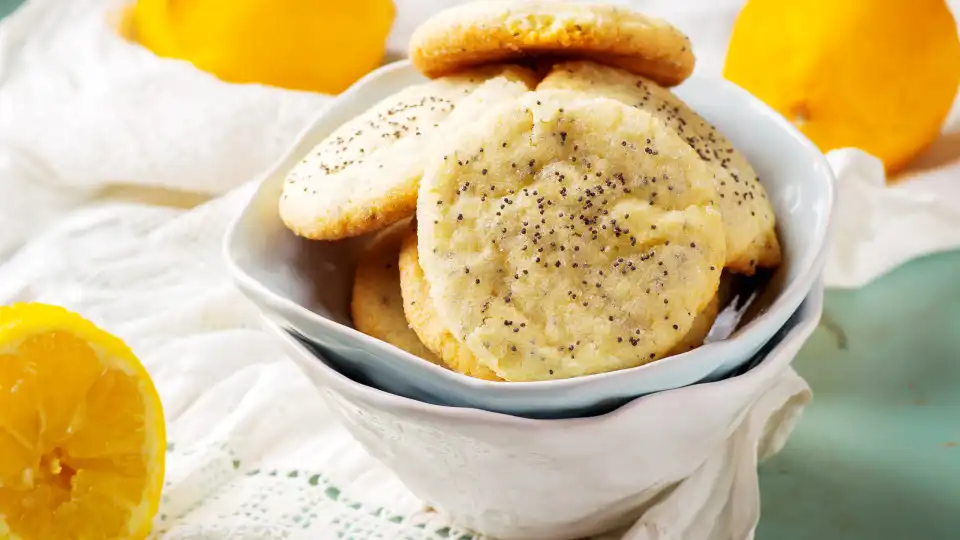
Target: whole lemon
column 318, row 45
column 879, row 75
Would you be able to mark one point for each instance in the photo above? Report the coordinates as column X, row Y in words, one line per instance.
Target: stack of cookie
column 544, row 207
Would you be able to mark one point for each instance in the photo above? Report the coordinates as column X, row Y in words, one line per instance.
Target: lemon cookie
column 564, row 235
column 422, row 317
column 747, row 215
column 498, row 31
column 376, row 306
column 364, row 176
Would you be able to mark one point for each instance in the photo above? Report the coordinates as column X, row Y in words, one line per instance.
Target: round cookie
column 510, row 30
column 585, row 224
column 376, row 306
column 422, row 317
column 747, row 215
column 364, row 175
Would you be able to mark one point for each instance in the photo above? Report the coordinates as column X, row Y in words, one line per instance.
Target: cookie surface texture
column 563, row 236
column 376, row 305
column 701, row 326
column 747, row 214
column 502, row 31
column 364, row 176
column 422, row 316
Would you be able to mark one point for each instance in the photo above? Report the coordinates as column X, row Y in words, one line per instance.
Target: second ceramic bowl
column 304, row 286
column 517, row 478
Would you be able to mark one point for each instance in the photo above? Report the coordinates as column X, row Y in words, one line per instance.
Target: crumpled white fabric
column 721, row 499
column 83, row 111
column 107, row 156
column 879, row 226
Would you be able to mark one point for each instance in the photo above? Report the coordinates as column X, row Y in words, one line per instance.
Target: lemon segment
column 81, row 430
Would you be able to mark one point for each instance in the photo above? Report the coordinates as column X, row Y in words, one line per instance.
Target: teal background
column 6, row 6
column 877, row 454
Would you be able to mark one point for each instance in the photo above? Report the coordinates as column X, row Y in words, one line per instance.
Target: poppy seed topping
column 567, row 269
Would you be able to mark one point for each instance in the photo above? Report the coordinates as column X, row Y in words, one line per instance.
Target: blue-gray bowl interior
column 305, row 285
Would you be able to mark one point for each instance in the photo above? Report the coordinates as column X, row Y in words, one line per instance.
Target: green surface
column 6, row 6
column 877, row 454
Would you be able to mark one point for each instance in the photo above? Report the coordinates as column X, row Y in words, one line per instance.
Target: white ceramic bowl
column 305, row 285
column 518, row 478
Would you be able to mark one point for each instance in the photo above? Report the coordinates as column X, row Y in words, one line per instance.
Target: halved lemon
column 82, row 437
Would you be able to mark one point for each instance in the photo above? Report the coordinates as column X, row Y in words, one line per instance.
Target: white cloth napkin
column 879, row 226
column 107, row 155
